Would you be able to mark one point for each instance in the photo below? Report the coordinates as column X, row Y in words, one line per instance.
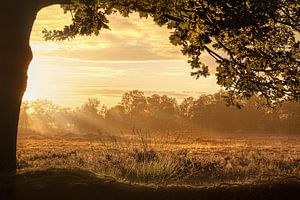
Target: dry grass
column 167, row 160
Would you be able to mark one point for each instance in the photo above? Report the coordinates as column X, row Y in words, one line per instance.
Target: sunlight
column 32, row 91
column 69, row 72
column 177, row 100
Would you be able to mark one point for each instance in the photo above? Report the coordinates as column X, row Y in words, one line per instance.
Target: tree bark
column 16, row 21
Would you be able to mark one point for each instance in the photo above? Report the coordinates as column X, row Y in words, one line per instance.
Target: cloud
column 174, row 94
column 135, row 54
column 129, row 39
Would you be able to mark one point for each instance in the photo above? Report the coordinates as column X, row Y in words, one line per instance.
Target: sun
column 32, row 91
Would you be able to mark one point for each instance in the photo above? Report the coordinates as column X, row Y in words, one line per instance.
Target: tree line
column 161, row 113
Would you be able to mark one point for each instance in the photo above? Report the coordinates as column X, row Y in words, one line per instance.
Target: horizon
column 117, row 97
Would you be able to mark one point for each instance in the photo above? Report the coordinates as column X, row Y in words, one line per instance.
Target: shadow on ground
column 81, row 185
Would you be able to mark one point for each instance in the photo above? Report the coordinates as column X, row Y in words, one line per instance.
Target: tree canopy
column 254, row 42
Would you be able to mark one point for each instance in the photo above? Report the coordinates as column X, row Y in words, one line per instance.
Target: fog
column 206, row 115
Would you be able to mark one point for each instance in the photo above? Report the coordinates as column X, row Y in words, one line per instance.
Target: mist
column 205, row 115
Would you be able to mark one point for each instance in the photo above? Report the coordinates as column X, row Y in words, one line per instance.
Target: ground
column 64, row 184
column 147, row 166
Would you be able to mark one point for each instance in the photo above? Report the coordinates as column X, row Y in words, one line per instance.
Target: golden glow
column 32, row 92
column 135, row 54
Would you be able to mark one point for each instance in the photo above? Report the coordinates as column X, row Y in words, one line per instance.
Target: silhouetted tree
column 258, row 38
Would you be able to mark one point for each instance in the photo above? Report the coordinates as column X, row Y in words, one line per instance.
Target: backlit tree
column 253, row 41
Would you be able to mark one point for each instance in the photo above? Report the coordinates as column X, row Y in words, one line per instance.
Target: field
column 165, row 160
column 154, row 166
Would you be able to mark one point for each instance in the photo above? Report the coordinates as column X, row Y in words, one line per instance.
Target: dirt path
column 78, row 185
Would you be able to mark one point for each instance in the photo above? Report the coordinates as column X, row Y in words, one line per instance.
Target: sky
column 134, row 54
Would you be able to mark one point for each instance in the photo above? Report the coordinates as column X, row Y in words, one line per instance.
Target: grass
column 79, row 185
column 141, row 158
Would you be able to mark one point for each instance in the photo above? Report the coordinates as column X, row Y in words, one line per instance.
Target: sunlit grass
column 166, row 160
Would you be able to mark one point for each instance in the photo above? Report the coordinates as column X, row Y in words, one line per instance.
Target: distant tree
column 88, row 117
column 289, row 115
column 24, row 115
column 116, row 115
column 154, row 102
column 44, row 113
column 186, row 107
column 186, row 113
column 134, row 103
column 93, row 107
column 163, row 112
column 208, row 113
column 64, row 119
column 253, row 43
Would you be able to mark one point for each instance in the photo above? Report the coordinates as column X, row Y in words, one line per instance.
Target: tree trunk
column 16, row 20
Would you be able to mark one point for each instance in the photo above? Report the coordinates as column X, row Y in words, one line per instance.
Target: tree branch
column 214, row 54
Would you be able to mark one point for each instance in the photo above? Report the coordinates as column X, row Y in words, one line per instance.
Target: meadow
column 166, row 159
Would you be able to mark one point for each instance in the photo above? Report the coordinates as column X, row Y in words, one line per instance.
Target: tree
column 253, row 41
column 89, row 116
column 93, row 107
column 44, row 113
column 134, row 102
column 116, row 116
column 24, row 117
column 163, row 112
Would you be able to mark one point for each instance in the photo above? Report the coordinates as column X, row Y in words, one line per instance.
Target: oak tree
column 254, row 43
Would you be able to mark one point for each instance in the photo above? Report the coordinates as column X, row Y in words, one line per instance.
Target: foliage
column 134, row 102
column 254, row 41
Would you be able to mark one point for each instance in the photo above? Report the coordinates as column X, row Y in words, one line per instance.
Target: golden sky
column 134, row 54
